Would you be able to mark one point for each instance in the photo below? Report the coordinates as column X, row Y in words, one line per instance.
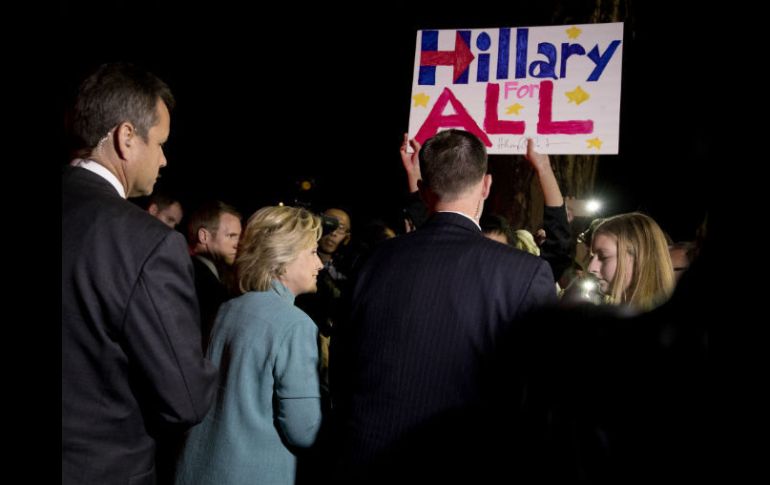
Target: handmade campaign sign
column 559, row 85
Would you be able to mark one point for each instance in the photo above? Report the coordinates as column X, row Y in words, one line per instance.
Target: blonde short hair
column 273, row 237
column 525, row 241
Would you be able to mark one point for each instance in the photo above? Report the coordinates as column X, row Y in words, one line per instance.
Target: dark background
column 323, row 93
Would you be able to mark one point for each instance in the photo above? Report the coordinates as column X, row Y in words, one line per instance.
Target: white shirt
column 101, row 171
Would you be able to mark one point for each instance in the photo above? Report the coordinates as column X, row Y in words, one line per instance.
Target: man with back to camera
column 429, row 307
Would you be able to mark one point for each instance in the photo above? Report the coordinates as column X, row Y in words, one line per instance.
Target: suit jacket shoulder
column 129, row 335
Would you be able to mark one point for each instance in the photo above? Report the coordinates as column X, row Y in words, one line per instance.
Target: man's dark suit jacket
column 211, row 294
column 428, row 310
column 132, row 367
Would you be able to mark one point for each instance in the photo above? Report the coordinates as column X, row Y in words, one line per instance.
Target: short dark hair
column 162, row 200
column 207, row 216
column 494, row 223
column 451, row 162
column 113, row 94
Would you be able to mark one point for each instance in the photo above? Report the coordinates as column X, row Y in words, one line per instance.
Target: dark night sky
column 263, row 102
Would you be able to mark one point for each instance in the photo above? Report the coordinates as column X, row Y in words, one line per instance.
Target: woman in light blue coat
column 268, row 400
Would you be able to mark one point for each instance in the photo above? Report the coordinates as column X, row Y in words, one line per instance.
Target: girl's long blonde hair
column 652, row 275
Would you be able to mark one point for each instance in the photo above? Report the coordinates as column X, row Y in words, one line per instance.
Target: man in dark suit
column 213, row 234
column 409, row 373
column 132, row 367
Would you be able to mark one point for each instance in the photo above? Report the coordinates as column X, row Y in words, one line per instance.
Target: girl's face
column 604, row 261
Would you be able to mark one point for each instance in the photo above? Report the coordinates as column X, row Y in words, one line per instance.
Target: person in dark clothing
column 213, row 233
column 555, row 246
column 133, row 375
column 410, row 369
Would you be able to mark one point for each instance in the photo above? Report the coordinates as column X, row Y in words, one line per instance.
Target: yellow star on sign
column 594, row 143
column 573, row 32
column 577, row 95
column 514, row 109
column 421, row 99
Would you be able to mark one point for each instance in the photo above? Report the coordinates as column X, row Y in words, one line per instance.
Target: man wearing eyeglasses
column 328, row 306
column 330, row 243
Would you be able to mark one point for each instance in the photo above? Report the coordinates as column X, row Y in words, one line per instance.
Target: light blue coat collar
column 282, row 291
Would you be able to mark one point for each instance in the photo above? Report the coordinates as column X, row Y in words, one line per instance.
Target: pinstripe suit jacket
column 428, row 311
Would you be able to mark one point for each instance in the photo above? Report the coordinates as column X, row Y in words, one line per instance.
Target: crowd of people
column 295, row 350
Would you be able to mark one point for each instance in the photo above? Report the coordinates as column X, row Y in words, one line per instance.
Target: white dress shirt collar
column 101, row 171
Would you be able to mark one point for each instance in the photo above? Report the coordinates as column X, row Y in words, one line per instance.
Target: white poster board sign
column 559, row 85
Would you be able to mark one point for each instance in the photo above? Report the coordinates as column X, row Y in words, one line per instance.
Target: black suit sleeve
column 541, row 291
column 162, row 338
column 556, row 247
